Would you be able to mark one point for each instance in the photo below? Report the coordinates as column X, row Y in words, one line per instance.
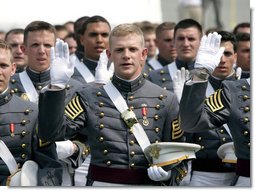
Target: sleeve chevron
column 177, row 132
column 73, row 108
column 214, row 101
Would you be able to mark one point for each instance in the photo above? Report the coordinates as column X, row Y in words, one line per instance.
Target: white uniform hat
column 168, row 153
column 227, row 153
column 27, row 176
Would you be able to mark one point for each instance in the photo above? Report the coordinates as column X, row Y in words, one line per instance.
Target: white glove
column 61, row 69
column 238, row 73
column 158, row 174
column 102, row 75
column 209, row 52
column 178, row 82
column 64, row 149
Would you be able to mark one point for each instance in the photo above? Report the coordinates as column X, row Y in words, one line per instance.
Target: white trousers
column 216, row 179
column 80, row 175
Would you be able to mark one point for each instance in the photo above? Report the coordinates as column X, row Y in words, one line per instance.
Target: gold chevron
column 176, row 130
column 73, row 108
column 214, row 101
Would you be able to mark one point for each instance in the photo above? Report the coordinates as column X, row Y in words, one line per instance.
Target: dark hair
column 14, row 31
column 228, row 36
column 187, row 23
column 241, row 25
column 94, row 19
column 38, row 26
column 243, row 37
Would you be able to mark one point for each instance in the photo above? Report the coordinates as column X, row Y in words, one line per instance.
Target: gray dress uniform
column 18, row 125
column 163, row 78
column 148, row 67
column 91, row 65
column 39, row 81
column 231, row 105
column 207, row 159
column 116, row 156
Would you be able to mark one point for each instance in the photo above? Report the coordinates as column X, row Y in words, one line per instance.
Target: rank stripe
column 73, row 108
column 176, row 130
column 214, row 101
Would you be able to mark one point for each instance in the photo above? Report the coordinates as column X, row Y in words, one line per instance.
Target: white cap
column 27, row 176
column 227, row 153
column 168, row 153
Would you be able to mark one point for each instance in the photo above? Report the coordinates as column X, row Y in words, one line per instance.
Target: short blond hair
column 126, row 29
column 4, row 46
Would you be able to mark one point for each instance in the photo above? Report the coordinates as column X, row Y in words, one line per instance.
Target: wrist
column 201, row 74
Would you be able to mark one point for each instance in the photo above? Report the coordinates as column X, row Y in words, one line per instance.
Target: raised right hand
column 61, row 69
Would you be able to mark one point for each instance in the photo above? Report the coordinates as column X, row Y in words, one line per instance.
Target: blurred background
column 16, row 13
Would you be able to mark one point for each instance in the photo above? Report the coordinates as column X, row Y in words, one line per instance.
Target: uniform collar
column 38, row 77
column 128, row 86
column 163, row 61
column 186, row 65
column 91, row 64
column 216, row 83
column 5, row 97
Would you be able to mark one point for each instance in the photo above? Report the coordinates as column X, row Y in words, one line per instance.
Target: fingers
column 183, row 74
column 65, row 51
column 52, row 54
column 238, row 73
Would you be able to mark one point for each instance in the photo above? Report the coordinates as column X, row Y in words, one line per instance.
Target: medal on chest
column 144, row 113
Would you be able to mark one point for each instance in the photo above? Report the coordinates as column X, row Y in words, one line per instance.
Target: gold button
column 132, row 153
column 157, row 107
column 26, row 111
column 13, row 81
column 162, row 72
column 246, row 109
column 244, row 87
column 101, row 104
column 23, row 122
column 23, row 156
column 132, row 108
column 16, row 90
column 156, row 117
column 39, row 87
column 202, row 147
column 12, row 92
column 105, row 152
column 249, row 144
column 221, row 131
column 161, row 97
column 131, row 98
column 164, row 88
column 101, row 126
column 23, row 133
column 157, row 129
column 108, row 163
column 131, row 142
column 101, row 114
column 246, row 120
column 245, row 97
column 101, row 139
column 132, row 165
column 245, row 132
column 199, row 138
column 23, row 145
column 224, row 139
column 99, row 94
column 163, row 79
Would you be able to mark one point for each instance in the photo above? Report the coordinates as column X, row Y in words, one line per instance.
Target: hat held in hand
column 167, row 154
column 227, row 153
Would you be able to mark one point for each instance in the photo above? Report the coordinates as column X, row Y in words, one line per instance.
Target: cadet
column 208, row 169
column 187, row 36
column 117, row 156
column 39, row 37
column 18, row 139
column 230, row 104
column 95, row 38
